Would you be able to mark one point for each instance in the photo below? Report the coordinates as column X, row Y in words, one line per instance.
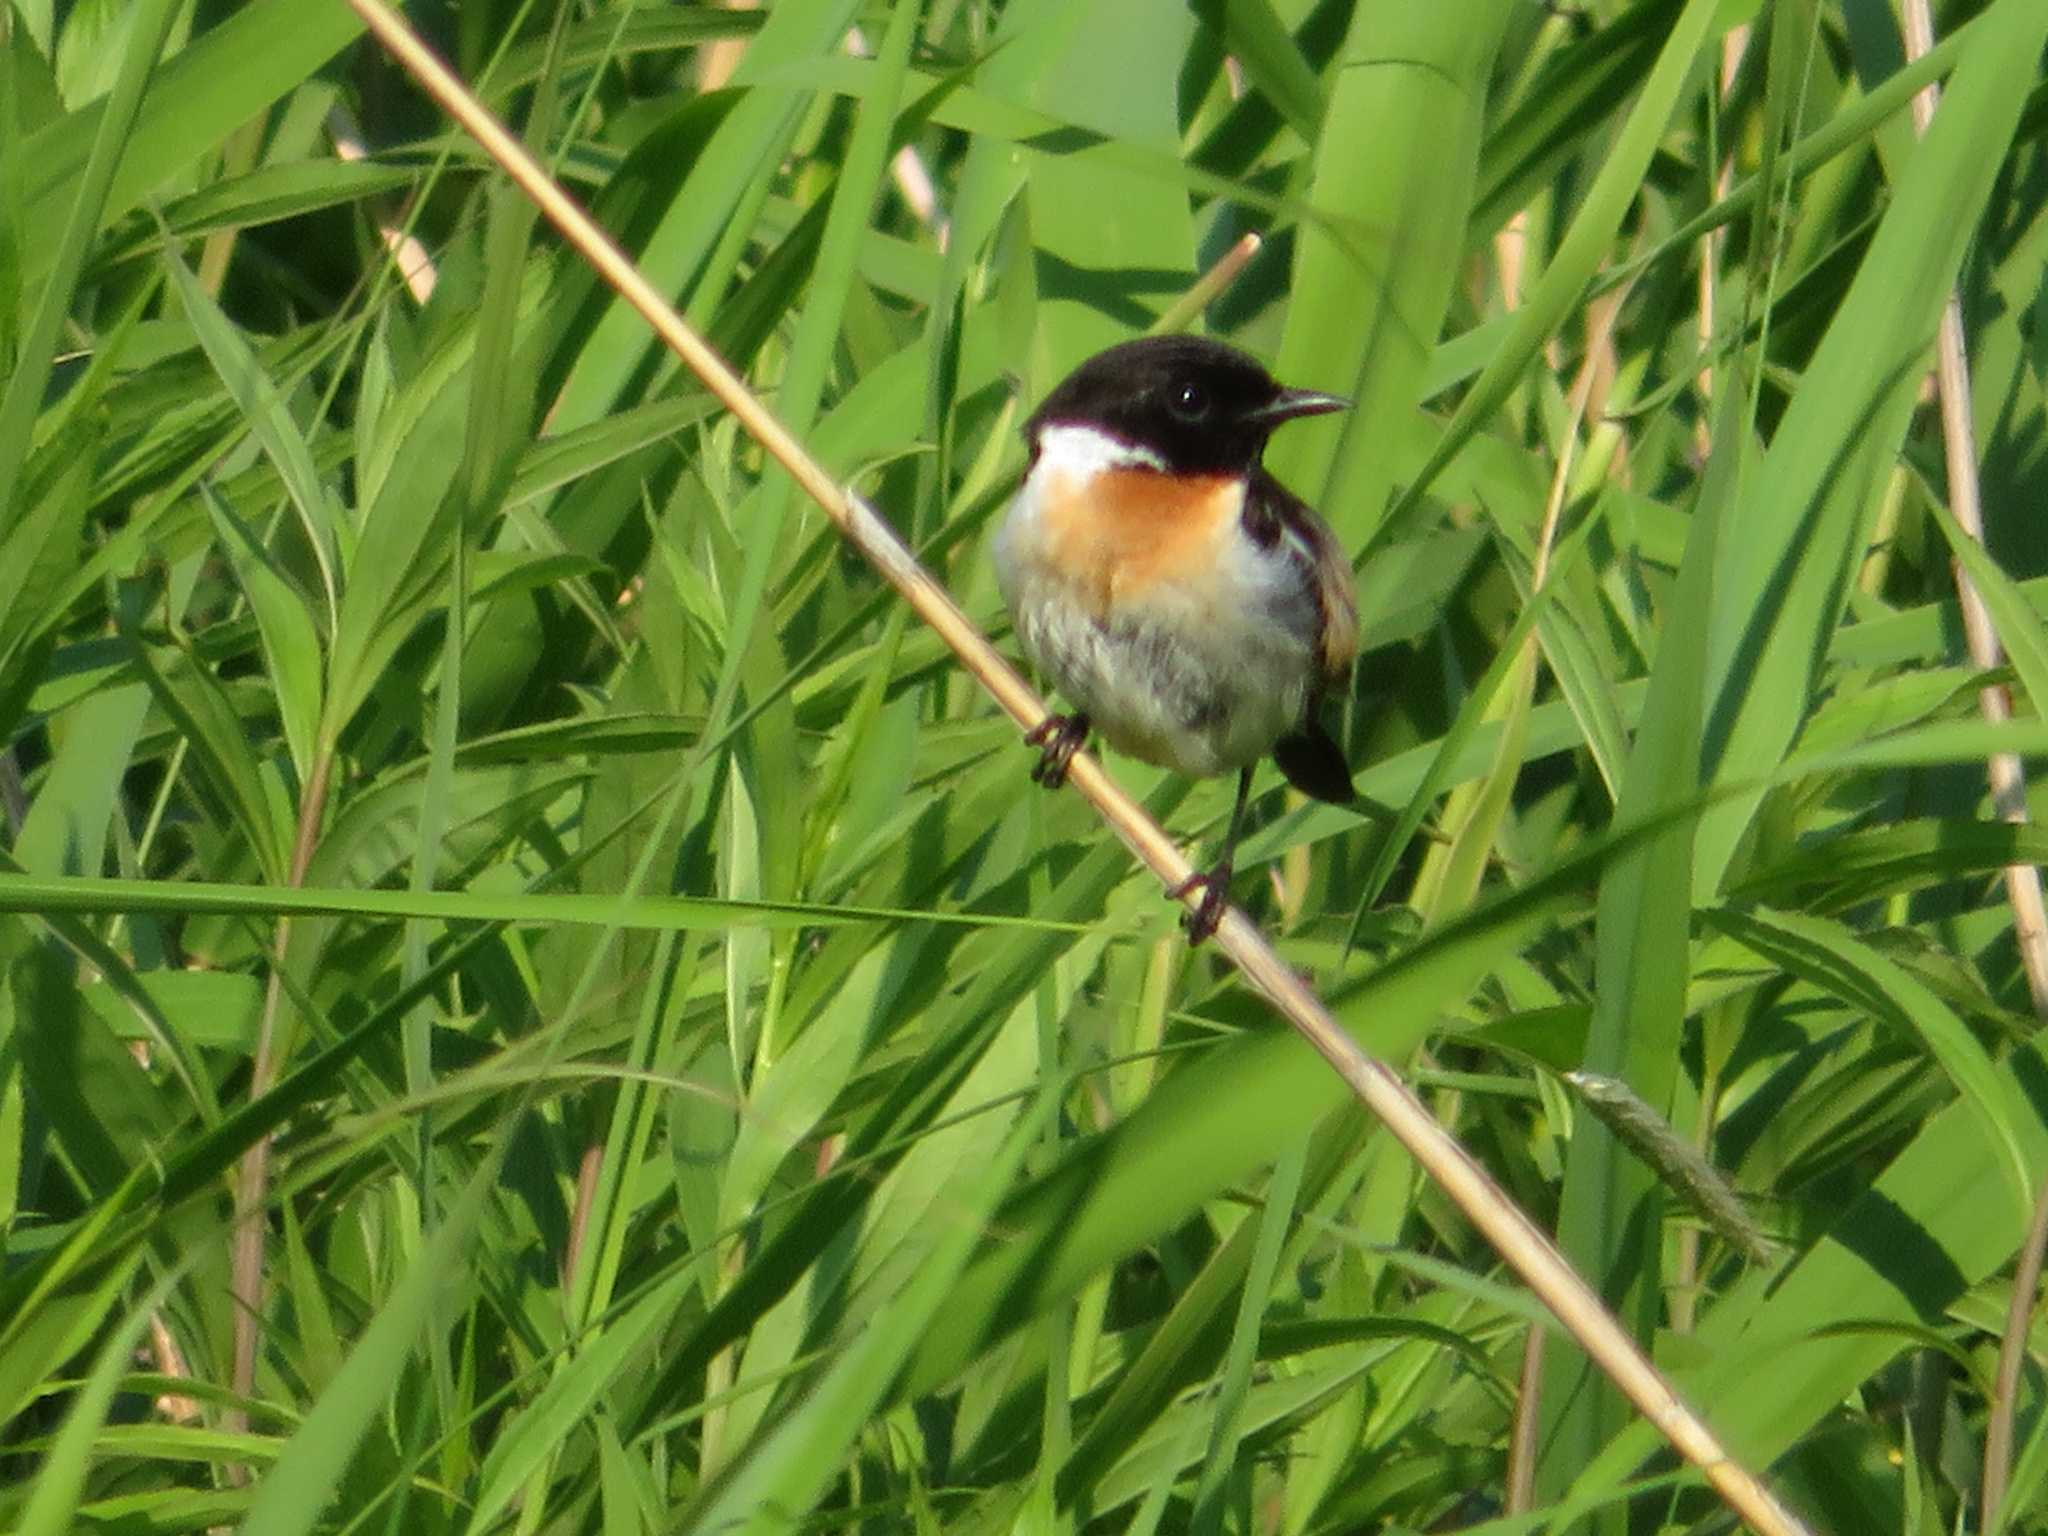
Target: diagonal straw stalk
column 1518, row 1240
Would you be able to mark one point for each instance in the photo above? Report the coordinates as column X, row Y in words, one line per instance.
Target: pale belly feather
column 1198, row 662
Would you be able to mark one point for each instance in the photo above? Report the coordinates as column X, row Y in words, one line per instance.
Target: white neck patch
column 1069, row 449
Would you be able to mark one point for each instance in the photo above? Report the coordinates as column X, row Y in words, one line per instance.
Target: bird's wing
column 1329, row 569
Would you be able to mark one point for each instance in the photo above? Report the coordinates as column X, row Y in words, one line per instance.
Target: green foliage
column 703, row 1084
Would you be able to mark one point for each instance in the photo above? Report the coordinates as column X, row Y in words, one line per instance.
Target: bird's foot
column 1205, row 916
column 1058, row 738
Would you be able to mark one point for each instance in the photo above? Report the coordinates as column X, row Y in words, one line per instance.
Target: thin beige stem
column 587, row 1171
column 13, row 797
column 1518, row 1240
column 1521, row 1479
column 1510, row 257
column 1685, row 1278
column 171, row 1362
column 1601, row 318
column 1182, row 312
column 2012, row 1354
column 1511, row 261
column 252, row 1183
column 716, row 63
column 238, row 157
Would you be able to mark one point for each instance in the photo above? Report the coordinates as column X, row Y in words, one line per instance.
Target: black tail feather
column 1315, row 765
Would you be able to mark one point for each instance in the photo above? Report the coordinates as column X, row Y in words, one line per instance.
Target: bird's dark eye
column 1190, row 402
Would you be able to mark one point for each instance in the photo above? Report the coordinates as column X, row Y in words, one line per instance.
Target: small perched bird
column 1190, row 608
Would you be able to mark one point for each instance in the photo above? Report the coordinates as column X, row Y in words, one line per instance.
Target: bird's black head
column 1198, row 406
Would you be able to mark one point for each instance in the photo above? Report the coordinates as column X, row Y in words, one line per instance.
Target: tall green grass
column 674, row 1072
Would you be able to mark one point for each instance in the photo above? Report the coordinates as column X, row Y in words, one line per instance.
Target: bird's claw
column 1058, row 738
column 1203, row 919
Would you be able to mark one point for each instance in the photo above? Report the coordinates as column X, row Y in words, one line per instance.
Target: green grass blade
column 270, row 420
column 1585, row 243
column 77, row 216
column 22, row 893
column 291, row 640
column 211, row 87
column 1609, row 1218
column 778, row 1483
column 52, row 1506
column 1412, row 81
column 296, row 1491
column 1225, row 1432
column 562, row 1408
column 1824, row 954
column 1903, row 1251
column 2018, row 625
column 1797, row 533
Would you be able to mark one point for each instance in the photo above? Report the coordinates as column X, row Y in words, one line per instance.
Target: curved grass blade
column 1829, row 957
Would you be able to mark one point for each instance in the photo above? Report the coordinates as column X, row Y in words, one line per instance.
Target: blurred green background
column 534, row 998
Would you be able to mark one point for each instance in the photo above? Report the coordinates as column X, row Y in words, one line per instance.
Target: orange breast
column 1120, row 533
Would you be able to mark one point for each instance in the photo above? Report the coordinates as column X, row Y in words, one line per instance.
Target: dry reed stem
column 2012, row 1353
column 1186, row 309
column 1518, row 1240
column 1525, row 1428
column 1523, row 1448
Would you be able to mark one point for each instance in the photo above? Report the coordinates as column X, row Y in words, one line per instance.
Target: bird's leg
column 1215, row 881
column 1058, row 738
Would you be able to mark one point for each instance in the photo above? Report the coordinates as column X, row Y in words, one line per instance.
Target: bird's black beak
column 1290, row 403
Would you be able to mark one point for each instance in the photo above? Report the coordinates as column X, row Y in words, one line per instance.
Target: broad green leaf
column 291, row 639
column 1411, row 81
column 1609, row 1218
